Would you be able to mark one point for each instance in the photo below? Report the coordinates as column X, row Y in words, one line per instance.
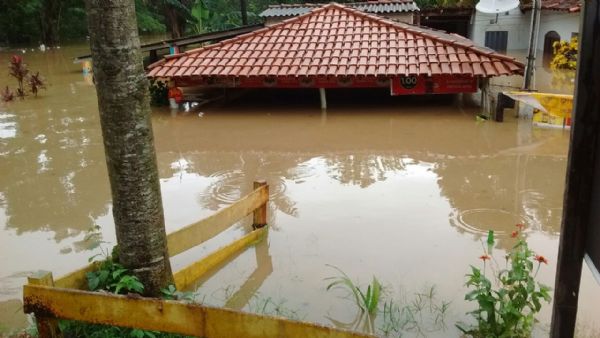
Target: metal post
column 533, row 38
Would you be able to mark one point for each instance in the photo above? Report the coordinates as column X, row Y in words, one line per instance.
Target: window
column 497, row 40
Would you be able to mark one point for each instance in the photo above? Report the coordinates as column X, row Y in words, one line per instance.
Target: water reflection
column 363, row 169
column 53, row 174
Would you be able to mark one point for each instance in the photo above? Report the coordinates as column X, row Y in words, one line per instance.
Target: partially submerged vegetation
column 381, row 313
column 508, row 297
column 27, row 81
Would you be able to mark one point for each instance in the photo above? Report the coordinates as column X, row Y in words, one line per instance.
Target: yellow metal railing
column 65, row 298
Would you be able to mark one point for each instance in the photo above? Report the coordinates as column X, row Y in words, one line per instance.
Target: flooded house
column 336, row 46
column 559, row 20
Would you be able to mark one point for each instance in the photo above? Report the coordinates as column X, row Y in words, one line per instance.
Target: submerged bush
column 508, row 302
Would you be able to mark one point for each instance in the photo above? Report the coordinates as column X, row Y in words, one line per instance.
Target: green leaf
column 93, row 281
column 490, row 237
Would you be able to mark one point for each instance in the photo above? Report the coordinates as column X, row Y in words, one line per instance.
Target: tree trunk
column 51, row 22
column 173, row 22
column 128, row 141
column 244, row 11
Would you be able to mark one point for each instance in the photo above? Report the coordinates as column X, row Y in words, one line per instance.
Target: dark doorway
column 497, row 40
column 549, row 39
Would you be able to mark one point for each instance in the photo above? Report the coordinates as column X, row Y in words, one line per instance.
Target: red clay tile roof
column 338, row 41
column 571, row 6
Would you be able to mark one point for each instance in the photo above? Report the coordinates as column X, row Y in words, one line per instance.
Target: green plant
column 420, row 314
column 367, row 301
column 272, row 307
column 171, row 293
column 508, row 303
column 112, row 276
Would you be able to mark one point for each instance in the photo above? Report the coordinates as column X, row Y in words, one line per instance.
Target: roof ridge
column 419, row 30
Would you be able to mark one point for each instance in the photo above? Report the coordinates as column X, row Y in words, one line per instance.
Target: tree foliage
column 20, row 21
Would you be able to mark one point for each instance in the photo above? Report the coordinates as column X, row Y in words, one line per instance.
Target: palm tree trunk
column 128, row 141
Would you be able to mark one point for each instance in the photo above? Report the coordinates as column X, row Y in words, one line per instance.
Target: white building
column 559, row 20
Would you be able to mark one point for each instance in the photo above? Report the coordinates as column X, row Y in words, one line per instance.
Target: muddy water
column 404, row 189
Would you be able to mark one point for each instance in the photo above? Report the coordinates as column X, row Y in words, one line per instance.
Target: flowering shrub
column 565, row 54
column 506, row 303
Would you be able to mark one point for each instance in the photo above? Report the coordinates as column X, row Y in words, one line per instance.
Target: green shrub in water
column 380, row 314
column 506, row 305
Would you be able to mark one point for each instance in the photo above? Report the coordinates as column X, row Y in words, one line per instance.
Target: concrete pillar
column 323, row 95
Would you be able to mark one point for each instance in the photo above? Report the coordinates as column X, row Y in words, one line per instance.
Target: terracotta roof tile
column 338, row 41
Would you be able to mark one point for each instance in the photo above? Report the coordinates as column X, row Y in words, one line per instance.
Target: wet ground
column 402, row 188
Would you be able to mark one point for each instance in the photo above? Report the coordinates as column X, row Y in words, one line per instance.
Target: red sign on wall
column 443, row 84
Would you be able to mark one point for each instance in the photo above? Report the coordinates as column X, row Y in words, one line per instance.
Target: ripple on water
column 230, row 185
column 480, row 221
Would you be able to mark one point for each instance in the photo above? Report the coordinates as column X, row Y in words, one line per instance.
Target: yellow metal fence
column 65, row 298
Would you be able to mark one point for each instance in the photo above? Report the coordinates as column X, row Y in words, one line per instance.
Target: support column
column 323, row 95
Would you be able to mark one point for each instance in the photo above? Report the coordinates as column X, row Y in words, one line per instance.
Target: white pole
column 323, row 98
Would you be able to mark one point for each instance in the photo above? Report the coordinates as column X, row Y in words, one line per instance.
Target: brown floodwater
column 404, row 189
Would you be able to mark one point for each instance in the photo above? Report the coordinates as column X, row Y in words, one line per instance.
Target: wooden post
column 260, row 214
column 47, row 327
column 153, row 56
column 323, row 95
column 583, row 175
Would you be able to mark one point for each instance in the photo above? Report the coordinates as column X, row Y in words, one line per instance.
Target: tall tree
column 177, row 13
column 128, row 141
column 51, row 21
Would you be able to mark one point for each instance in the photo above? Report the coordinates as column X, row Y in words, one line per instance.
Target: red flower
column 541, row 259
column 520, row 226
column 484, row 257
column 514, row 234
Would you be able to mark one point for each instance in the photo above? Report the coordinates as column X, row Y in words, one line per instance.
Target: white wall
column 563, row 23
column 517, row 24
